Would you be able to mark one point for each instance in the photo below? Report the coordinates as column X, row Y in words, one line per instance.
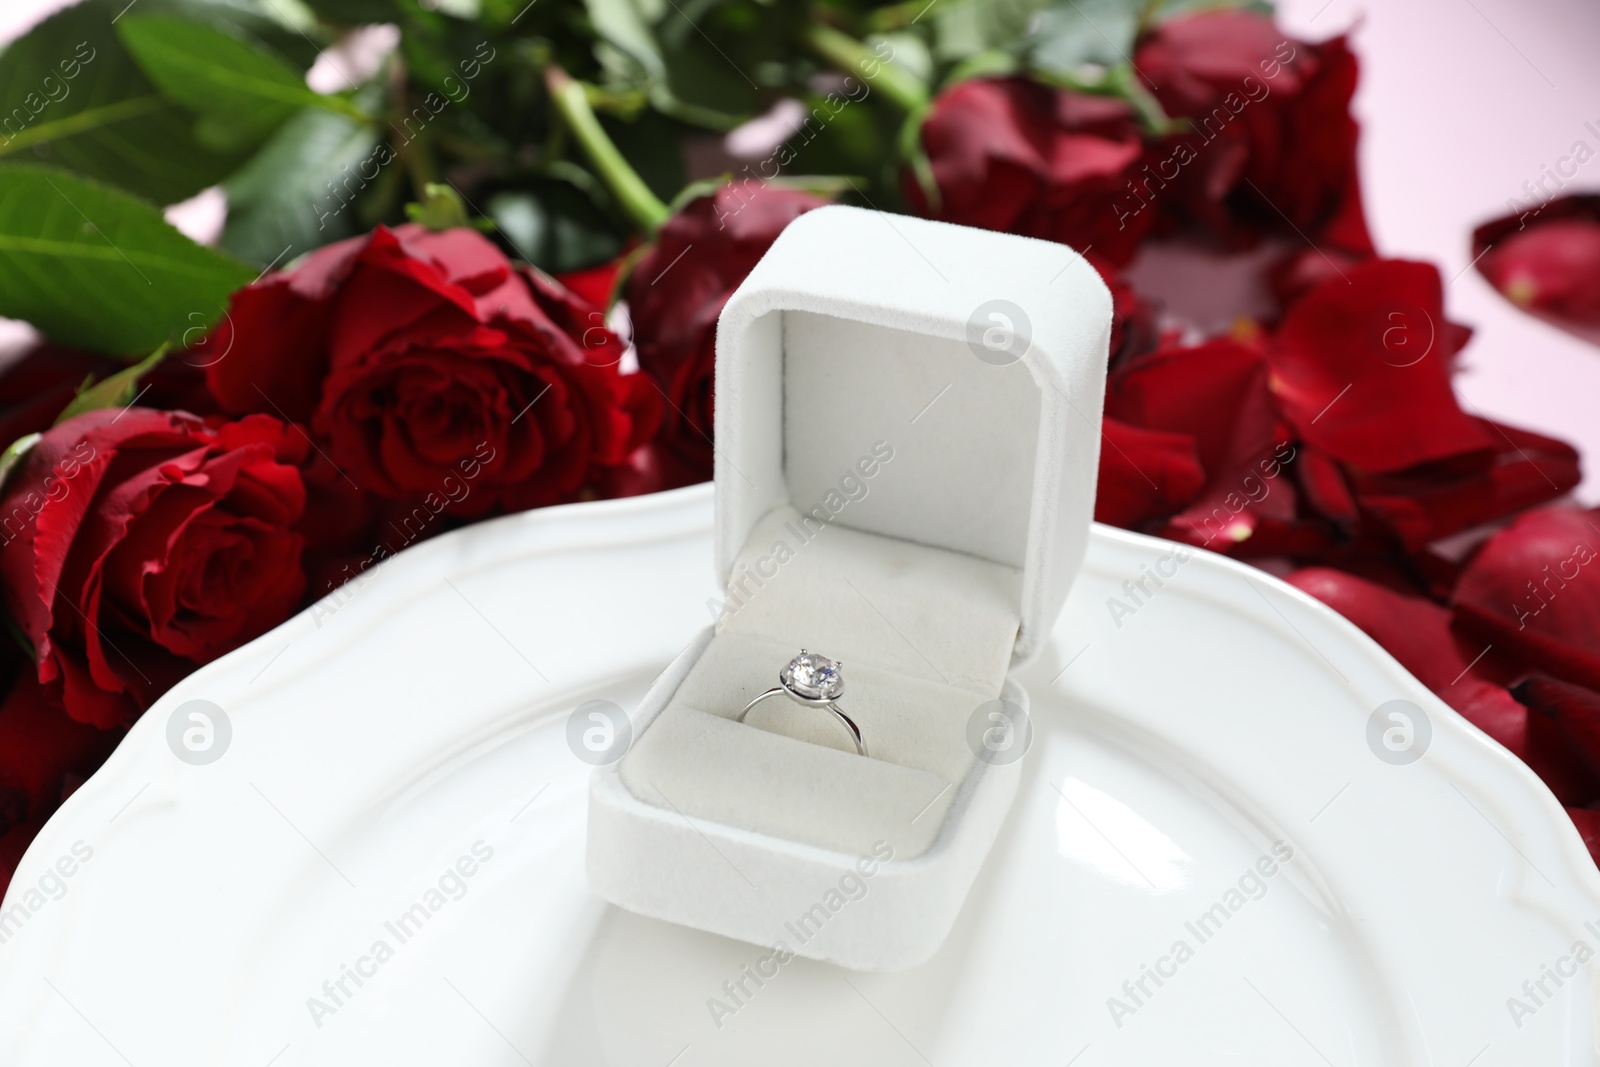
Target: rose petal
column 1534, row 589
column 1145, row 475
column 1358, row 368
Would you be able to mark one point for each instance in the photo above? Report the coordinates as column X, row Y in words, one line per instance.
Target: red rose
column 1020, row 157
column 1534, row 588
column 138, row 543
column 594, row 285
column 436, row 371
column 1272, row 145
column 1546, row 260
column 677, row 290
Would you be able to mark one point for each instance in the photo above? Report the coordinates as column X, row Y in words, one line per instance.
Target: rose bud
column 677, row 290
column 1013, row 155
column 436, row 371
column 1272, row 146
column 135, row 544
column 1546, row 260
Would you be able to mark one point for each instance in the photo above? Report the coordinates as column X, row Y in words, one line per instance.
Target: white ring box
column 896, row 490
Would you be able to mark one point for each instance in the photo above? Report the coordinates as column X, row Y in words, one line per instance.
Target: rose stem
column 572, row 101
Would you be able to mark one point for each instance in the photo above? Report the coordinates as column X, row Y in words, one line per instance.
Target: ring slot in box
column 907, row 430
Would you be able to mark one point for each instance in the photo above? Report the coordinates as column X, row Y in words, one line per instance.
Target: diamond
column 813, row 677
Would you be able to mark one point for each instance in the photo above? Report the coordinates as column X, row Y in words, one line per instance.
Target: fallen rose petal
column 1145, row 475
column 1216, row 394
column 1546, row 259
column 1460, row 671
column 1325, row 488
column 1534, row 588
column 1361, row 368
column 1427, row 503
column 1575, row 709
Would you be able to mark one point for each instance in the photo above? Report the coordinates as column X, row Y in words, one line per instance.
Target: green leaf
column 78, row 100
column 242, row 90
column 662, row 47
column 14, row 453
column 95, row 268
column 554, row 225
column 355, row 12
column 1069, row 36
column 1161, row 10
column 296, row 194
column 113, row 391
column 966, row 27
column 440, row 209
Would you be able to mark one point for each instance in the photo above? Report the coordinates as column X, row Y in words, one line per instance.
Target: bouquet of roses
column 466, row 258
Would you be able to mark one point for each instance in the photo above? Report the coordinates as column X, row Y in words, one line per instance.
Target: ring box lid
column 979, row 357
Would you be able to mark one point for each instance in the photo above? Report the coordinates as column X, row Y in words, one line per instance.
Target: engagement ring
column 815, row 681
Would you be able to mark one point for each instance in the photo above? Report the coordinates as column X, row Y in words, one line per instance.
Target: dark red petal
column 1427, row 503
column 1534, row 588
column 1216, row 394
column 269, row 352
column 593, row 285
column 1359, row 368
column 1575, row 708
column 39, row 744
column 1547, row 259
column 1144, row 474
column 1417, row 633
column 1325, row 488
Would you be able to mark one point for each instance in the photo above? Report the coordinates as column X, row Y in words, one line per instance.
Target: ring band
column 815, row 681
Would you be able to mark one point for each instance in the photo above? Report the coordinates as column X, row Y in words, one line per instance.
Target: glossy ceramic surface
column 416, row 727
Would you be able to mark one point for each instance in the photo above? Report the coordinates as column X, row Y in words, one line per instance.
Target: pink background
column 1461, row 101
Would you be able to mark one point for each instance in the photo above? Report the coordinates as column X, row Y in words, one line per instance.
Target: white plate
column 375, row 746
